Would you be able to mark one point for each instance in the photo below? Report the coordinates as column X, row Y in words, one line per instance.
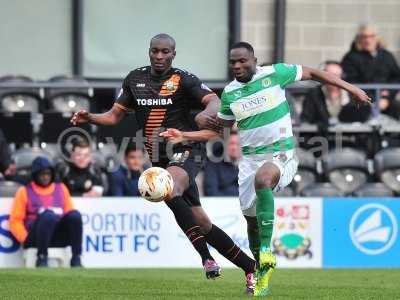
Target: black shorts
column 191, row 160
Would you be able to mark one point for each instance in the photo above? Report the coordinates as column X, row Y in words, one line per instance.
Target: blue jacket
column 124, row 182
column 221, row 179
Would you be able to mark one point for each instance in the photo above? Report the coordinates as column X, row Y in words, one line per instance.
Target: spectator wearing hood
column 369, row 62
column 43, row 216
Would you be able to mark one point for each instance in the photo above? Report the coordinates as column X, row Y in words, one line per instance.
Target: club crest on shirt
column 170, row 86
column 238, row 93
column 266, row 82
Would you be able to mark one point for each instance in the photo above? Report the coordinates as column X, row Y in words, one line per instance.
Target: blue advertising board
column 361, row 233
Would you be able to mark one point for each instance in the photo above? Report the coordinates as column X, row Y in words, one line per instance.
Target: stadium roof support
column 279, row 38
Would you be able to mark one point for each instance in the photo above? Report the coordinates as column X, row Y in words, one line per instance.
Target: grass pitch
column 191, row 284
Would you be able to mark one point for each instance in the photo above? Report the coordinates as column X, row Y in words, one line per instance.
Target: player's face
column 243, row 64
column 161, row 53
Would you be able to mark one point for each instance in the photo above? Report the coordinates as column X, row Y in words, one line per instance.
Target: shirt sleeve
column 18, row 215
column 125, row 99
column 197, row 90
column 288, row 73
column 225, row 111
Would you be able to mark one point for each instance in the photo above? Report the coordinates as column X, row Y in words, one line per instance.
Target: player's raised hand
column 80, row 117
column 361, row 96
column 172, row 135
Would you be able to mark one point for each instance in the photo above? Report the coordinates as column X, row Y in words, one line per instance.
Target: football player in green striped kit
column 256, row 101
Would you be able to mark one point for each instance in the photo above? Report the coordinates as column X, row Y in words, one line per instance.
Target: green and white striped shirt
column 261, row 110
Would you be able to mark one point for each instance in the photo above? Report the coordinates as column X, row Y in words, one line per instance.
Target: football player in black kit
column 161, row 97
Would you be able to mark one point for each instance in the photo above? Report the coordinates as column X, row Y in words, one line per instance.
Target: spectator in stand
column 7, row 166
column 326, row 104
column 42, row 215
column 369, row 62
column 124, row 182
column 80, row 175
column 221, row 179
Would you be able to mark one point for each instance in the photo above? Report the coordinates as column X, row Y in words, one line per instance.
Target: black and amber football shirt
column 161, row 102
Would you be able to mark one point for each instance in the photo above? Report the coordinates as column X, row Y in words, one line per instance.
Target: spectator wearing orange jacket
column 43, row 216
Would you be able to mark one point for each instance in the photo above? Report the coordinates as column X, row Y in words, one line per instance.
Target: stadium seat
column 57, row 257
column 326, row 189
column 307, row 171
column 56, row 123
column 126, row 128
column 8, row 188
column 23, row 159
column 19, row 99
column 346, row 168
column 376, row 189
column 69, row 98
column 387, row 167
column 17, row 127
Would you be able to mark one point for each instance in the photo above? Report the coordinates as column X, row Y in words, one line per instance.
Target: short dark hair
column 331, row 62
column 80, row 143
column 133, row 147
column 243, row 45
column 164, row 36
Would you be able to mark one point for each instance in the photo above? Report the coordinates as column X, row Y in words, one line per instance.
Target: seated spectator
column 42, row 215
column 7, row 166
column 80, row 175
column 221, row 179
column 124, row 182
column 327, row 104
column 369, row 62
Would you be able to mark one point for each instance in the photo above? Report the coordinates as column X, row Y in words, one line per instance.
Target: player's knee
column 178, row 190
column 205, row 226
column 264, row 180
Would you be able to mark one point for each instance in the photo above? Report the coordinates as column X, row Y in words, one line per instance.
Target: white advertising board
column 126, row 232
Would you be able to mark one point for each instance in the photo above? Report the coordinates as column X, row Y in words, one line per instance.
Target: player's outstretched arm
column 325, row 77
column 176, row 136
column 111, row 117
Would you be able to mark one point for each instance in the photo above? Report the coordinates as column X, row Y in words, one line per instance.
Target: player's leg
column 253, row 235
column 266, row 178
column 222, row 242
column 185, row 219
column 183, row 214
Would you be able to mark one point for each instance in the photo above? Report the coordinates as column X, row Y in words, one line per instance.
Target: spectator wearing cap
column 369, row 62
column 43, row 216
column 124, row 181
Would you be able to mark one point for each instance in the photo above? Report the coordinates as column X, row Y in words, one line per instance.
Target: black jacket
column 315, row 110
column 362, row 67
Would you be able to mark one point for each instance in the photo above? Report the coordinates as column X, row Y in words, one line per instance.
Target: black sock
column 185, row 219
column 225, row 245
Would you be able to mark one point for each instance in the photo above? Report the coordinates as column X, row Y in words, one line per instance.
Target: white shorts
column 248, row 166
